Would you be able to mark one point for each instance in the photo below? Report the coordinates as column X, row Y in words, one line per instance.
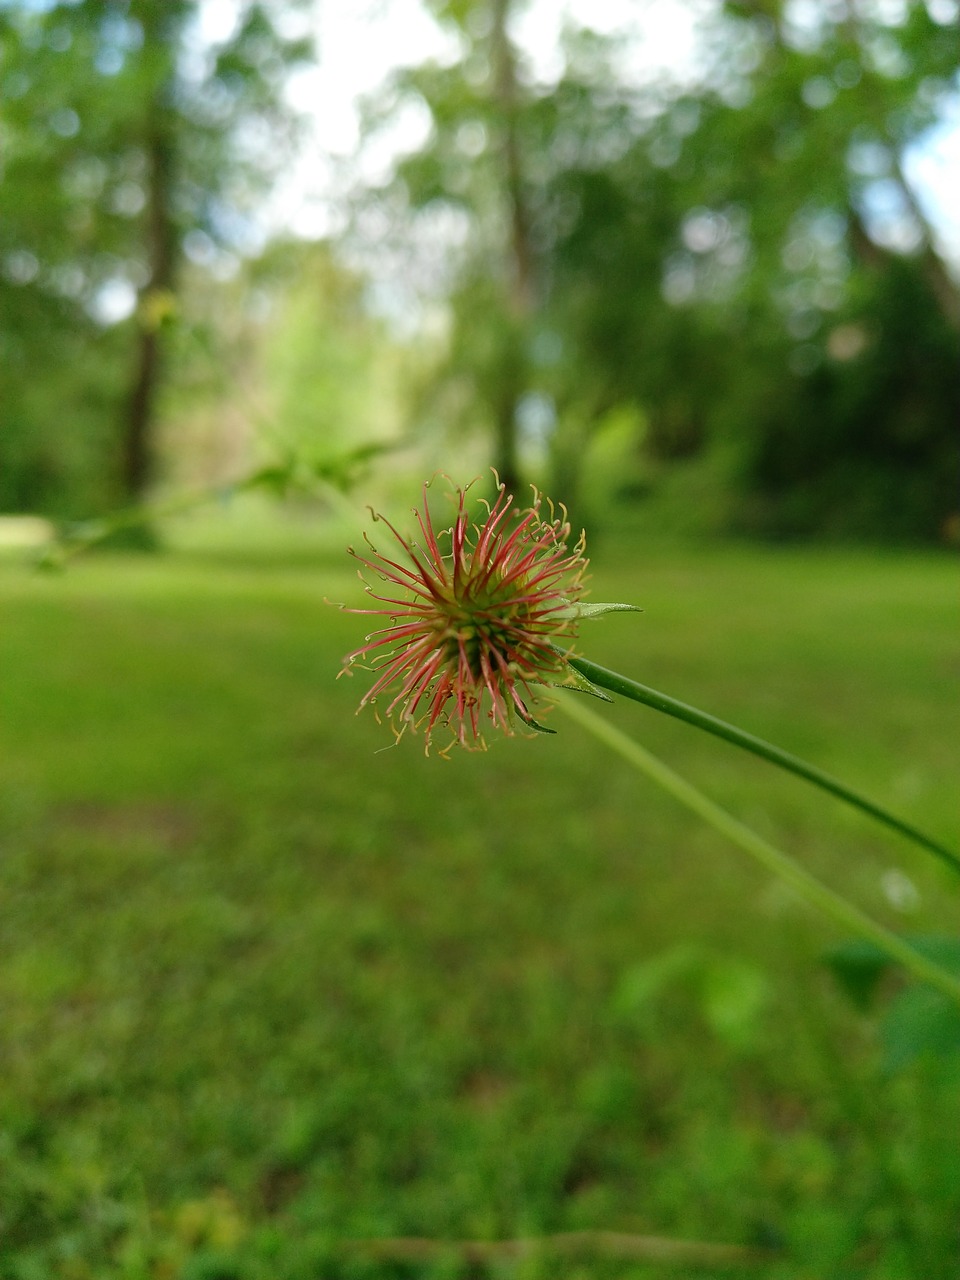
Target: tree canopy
column 725, row 257
column 735, row 253
column 129, row 143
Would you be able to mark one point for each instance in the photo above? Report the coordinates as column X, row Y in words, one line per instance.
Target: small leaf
column 598, row 610
column 857, row 967
column 574, row 679
column 733, row 998
column 529, row 721
column 276, row 480
column 940, row 948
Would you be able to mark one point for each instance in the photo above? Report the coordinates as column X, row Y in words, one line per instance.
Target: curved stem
column 772, row 859
column 617, row 683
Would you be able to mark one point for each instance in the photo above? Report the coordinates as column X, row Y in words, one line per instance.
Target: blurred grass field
column 266, row 987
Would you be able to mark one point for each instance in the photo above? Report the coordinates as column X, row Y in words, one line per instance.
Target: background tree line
column 726, row 270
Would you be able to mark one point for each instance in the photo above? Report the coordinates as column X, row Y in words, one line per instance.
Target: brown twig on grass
column 607, row 1244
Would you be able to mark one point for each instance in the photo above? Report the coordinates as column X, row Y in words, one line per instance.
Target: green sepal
column 574, row 679
column 529, row 721
column 598, row 610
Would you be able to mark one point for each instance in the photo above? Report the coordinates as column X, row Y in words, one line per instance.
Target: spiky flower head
column 478, row 613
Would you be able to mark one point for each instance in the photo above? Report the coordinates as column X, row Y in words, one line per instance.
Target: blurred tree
column 753, row 266
column 329, row 367
column 474, row 171
column 804, row 293
column 129, row 140
column 862, row 435
column 846, row 313
column 691, row 248
column 301, row 372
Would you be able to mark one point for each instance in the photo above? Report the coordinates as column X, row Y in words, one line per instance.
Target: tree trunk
column 155, row 303
column 521, row 298
column 942, row 285
column 510, row 386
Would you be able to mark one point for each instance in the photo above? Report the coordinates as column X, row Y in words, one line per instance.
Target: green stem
column 769, row 857
column 617, row 683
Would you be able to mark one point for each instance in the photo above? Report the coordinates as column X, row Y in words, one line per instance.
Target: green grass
column 264, row 989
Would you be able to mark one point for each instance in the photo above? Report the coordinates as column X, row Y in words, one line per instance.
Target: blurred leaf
column 276, row 479
column 858, row 966
column 731, row 994
column 920, row 1023
column 667, row 219
column 642, row 984
column 734, row 996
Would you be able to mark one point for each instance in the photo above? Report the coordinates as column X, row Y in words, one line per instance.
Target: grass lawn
column 265, row 990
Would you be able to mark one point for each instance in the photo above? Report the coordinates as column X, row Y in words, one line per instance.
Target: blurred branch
column 605, row 1244
column 522, row 294
column 852, row 28
column 334, row 477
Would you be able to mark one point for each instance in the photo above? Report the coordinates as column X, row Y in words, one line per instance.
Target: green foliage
column 125, row 144
column 293, row 475
column 712, row 257
column 730, row 995
column 329, row 372
column 919, row 1022
column 865, row 442
column 268, row 987
column 280, row 367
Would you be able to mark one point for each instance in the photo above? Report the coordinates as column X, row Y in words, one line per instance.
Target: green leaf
column 574, row 679
column 858, row 966
column 730, row 994
column 920, row 1023
column 529, row 721
column 942, row 949
column 598, row 610
column 276, row 479
column 733, row 997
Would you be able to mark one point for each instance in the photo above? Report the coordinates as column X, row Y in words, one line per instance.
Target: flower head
column 477, row 614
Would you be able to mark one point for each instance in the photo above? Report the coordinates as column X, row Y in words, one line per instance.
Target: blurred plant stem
column 616, row 683
column 831, row 904
column 331, row 477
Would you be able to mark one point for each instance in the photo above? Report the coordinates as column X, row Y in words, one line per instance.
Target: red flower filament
column 480, row 614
